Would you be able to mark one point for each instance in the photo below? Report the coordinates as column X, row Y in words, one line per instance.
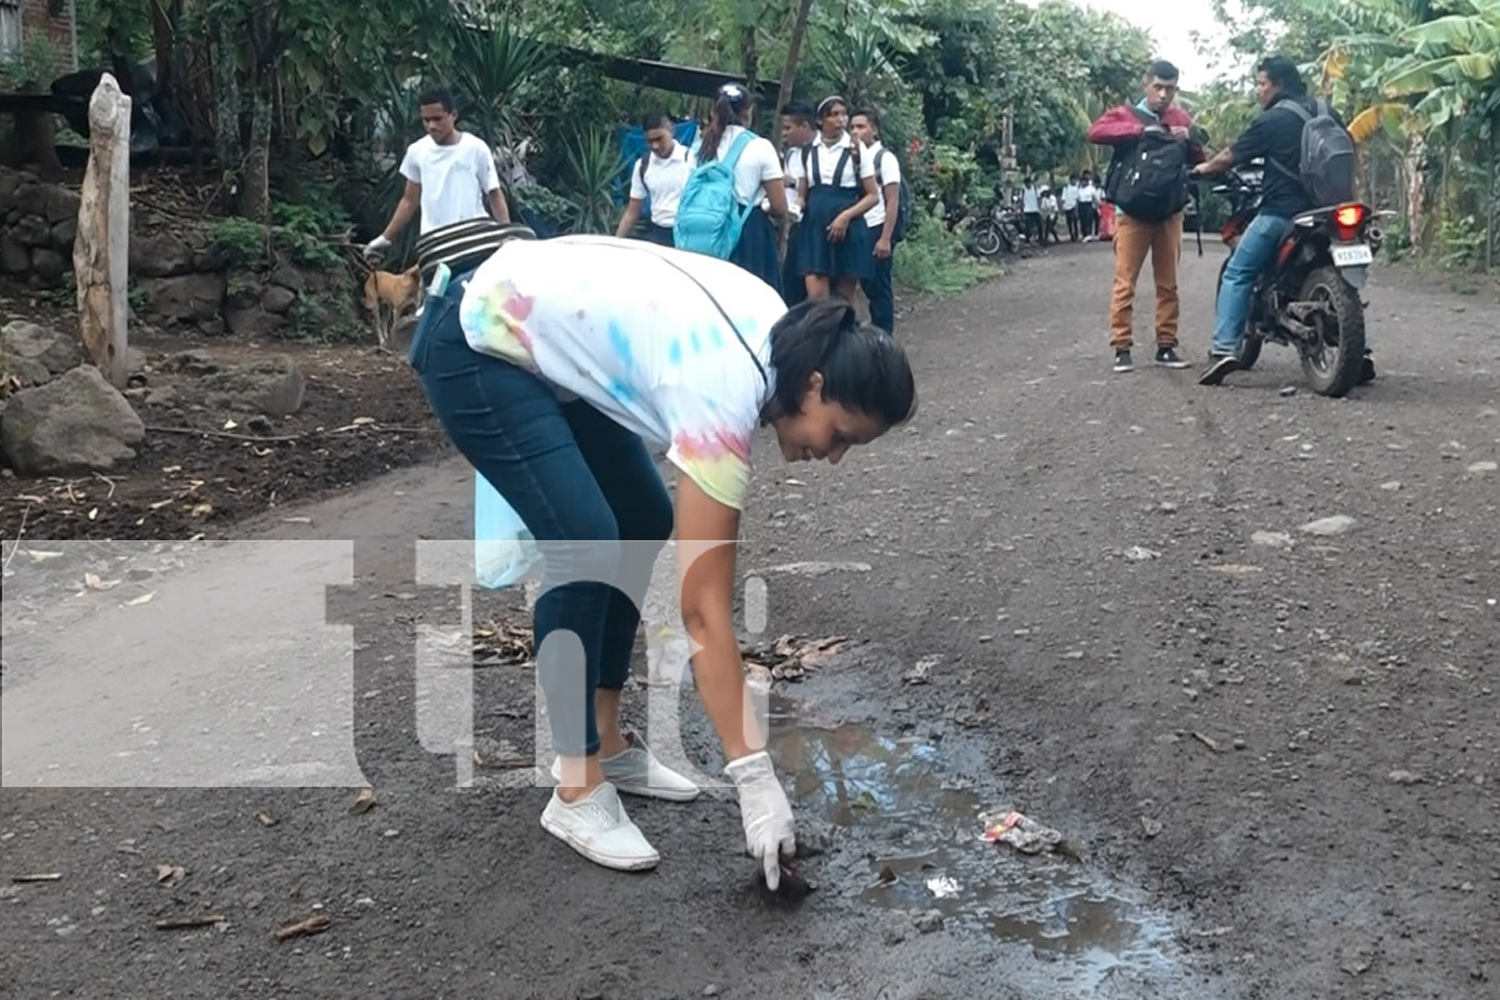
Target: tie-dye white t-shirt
column 658, row 339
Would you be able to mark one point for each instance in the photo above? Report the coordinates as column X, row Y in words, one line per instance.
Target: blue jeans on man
column 1252, row 255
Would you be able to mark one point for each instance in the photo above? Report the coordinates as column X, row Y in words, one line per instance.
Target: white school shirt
column 1088, row 194
column 1070, row 197
column 758, row 163
column 637, row 331
column 890, row 173
column 828, row 161
column 664, row 181
column 1029, row 200
column 455, row 179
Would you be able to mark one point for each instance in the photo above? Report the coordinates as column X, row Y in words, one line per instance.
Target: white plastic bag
column 504, row 550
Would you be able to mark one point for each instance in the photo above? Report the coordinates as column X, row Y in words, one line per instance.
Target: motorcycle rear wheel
column 1250, row 344
column 1333, row 365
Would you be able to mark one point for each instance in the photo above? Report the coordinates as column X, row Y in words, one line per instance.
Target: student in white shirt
column 798, row 129
column 1070, row 207
column 757, row 172
column 659, row 174
column 1088, row 207
column 550, row 366
column 1031, row 209
column 836, row 186
column 450, row 176
column 879, row 288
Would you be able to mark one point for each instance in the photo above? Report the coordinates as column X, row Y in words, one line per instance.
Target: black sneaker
column 1367, row 370
column 1123, row 362
column 1168, row 357
column 1219, row 365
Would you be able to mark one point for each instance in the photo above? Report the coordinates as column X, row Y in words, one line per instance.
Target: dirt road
column 1134, row 609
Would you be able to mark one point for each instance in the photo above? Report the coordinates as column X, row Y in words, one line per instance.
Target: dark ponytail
column 864, row 369
column 729, row 106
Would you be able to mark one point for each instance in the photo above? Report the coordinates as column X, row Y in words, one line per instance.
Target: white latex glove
column 373, row 249
column 766, row 813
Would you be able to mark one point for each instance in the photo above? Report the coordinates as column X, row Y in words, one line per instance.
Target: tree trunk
column 226, row 104
column 255, row 201
column 101, row 250
column 1416, row 150
column 789, row 71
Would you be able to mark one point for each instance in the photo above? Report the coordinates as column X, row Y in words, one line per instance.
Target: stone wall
column 180, row 278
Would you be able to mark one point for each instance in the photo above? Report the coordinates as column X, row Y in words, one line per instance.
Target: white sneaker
column 636, row 771
column 596, row 827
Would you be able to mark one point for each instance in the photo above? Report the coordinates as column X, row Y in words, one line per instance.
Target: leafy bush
column 933, row 258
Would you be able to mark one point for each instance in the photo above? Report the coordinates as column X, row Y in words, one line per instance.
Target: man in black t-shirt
column 1275, row 135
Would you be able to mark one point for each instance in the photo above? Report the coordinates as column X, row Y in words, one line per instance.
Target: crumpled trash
column 1025, row 834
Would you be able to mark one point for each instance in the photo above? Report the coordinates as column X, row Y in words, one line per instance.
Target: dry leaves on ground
column 790, row 657
column 502, row 644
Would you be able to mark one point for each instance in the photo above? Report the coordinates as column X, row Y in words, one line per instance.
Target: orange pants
column 1133, row 240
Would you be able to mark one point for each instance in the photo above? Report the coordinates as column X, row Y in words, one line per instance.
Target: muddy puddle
column 920, row 829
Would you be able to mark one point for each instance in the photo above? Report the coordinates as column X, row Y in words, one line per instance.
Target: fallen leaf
column 138, row 601
column 202, row 510
column 170, row 875
column 363, row 802
column 266, row 819
column 168, row 470
column 230, row 425
column 1208, row 741
column 93, row 513
column 296, row 520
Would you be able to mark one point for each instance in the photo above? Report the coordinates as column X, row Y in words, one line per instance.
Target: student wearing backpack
column 1277, row 136
column 888, row 218
column 659, row 175
column 798, row 129
column 836, row 186
column 1147, row 183
column 718, row 212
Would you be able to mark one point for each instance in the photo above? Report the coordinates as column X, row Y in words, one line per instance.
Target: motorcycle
column 1308, row 298
column 996, row 231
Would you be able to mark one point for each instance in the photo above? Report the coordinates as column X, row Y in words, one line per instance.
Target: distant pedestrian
column 1031, row 210
column 659, row 175
column 1088, row 207
column 1070, row 208
column 798, row 129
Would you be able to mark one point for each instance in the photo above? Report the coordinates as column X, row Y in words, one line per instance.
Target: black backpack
column 1326, row 169
column 1151, row 180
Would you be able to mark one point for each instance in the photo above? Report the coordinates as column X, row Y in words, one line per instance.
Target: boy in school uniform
column 659, row 174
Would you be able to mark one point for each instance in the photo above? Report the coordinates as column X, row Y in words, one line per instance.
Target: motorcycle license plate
column 1352, row 255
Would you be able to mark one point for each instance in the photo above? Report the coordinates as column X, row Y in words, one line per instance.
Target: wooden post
column 101, row 251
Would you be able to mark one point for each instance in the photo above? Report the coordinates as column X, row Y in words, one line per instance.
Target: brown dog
column 397, row 291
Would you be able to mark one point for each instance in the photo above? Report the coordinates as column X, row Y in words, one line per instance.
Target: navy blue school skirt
column 851, row 257
column 756, row 251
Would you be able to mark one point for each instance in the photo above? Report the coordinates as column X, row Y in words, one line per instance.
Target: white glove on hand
column 766, row 813
column 373, row 249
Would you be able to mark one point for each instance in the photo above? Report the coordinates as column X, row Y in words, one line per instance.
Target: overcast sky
column 1171, row 24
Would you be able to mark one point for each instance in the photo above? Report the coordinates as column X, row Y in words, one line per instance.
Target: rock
column 1479, row 468
column 48, row 265
column 75, row 423
column 274, row 386
column 32, row 231
column 1288, row 390
column 1391, row 486
column 14, row 257
column 1273, row 539
column 1402, row 777
column 62, row 203
column 63, row 235
column 55, row 352
column 1137, row 553
column 159, row 255
column 928, row 921
column 252, row 322
column 278, row 299
column 1329, row 526
column 188, row 299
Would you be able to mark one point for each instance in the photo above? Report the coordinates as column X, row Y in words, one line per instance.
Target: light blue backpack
column 709, row 218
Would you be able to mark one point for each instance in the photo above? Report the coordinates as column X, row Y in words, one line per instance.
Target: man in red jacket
column 1125, row 128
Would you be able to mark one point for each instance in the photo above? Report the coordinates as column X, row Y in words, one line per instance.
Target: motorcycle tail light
column 1350, row 216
